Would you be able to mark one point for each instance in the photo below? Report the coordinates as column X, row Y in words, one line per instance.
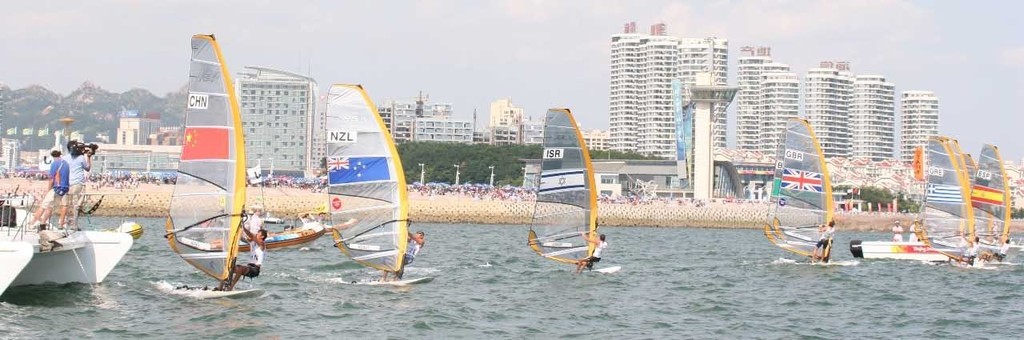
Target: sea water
column 675, row 283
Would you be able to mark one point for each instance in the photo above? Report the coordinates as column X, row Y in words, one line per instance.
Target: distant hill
column 94, row 109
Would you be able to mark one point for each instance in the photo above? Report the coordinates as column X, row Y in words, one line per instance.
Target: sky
column 541, row 54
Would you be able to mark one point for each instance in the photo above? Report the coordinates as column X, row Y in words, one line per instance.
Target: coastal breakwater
column 150, row 200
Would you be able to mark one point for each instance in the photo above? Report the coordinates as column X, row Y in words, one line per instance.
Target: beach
column 152, row 200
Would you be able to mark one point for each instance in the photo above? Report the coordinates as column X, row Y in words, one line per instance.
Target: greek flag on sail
column 939, row 193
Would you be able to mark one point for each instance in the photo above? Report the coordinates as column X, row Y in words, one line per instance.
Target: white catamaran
column 802, row 193
column 82, row 256
column 205, row 217
column 367, row 195
column 566, row 207
column 14, row 256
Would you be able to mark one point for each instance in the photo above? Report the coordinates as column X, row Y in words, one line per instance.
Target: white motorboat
column 14, row 256
column 78, row 256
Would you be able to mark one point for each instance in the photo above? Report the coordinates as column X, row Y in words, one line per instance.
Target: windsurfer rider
column 824, row 241
column 252, row 269
column 416, row 242
column 596, row 257
column 972, row 251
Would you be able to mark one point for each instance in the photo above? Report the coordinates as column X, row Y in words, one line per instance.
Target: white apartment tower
column 779, row 101
column 707, row 55
column 920, row 121
column 873, row 118
column 643, row 67
column 828, row 94
column 640, row 111
column 753, row 114
column 278, row 119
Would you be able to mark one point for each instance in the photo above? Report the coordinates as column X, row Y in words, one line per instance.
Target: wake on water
column 846, row 263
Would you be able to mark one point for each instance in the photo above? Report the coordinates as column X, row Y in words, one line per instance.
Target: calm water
column 675, row 283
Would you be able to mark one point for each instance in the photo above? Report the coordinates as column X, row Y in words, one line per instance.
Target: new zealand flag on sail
column 794, row 179
column 343, row 170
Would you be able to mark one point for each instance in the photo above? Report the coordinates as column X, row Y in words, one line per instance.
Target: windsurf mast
column 205, row 216
column 566, row 206
column 367, row 190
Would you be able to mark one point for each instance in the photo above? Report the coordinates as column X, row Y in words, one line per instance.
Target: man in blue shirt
column 56, row 190
column 79, row 162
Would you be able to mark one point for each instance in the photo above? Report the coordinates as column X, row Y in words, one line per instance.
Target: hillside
column 94, row 109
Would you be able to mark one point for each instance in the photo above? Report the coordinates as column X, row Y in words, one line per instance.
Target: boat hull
column 916, row 251
column 84, row 257
column 14, row 256
column 290, row 238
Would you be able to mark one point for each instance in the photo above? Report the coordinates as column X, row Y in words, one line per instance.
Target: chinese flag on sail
column 205, row 143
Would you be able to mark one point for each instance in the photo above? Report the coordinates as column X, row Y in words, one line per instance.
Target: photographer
column 79, row 162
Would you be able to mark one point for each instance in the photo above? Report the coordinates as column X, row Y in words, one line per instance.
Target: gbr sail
column 566, row 201
column 205, row 214
column 990, row 197
column 801, row 191
column 947, row 215
column 367, row 189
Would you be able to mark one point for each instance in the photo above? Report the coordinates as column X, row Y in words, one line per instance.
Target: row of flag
column 27, row 132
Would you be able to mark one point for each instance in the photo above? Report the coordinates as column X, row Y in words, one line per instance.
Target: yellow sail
column 366, row 182
column 205, row 215
column 566, row 205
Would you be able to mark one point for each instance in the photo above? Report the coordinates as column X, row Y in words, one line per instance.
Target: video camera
column 78, row 148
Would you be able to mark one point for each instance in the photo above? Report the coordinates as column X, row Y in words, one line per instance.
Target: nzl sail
column 801, row 191
column 367, row 189
column 205, row 215
column 990, row 198
column 566, row 201
column 947, row 214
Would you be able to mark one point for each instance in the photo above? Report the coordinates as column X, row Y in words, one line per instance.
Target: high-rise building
column 827, row 96
column 707, row 55
column 506, row 123
column 643, row 66
column 135, row 128
column 873, row 118
column 596, row 139
column 753, row 114
column 640, row 108
column 278, row 120
column 404, row 117
column 919, row 111
column 779, row 101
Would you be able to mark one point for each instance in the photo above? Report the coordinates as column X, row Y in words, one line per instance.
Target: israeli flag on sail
column 562, row 180
column 938, row 193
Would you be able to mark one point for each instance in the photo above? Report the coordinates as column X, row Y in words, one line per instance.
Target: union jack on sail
column 794, row 179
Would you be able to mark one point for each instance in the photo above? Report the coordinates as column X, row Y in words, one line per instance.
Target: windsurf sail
column 801, row 192
column 205, row 215
column 566, row 201
column 947, row 215
column 367, row 190
column 990, row 197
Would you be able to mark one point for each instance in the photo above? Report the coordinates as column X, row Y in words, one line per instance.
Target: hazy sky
column 540, row 53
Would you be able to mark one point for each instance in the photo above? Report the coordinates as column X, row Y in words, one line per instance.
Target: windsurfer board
column 608, row 270
column 204, row 294
column 395, row 283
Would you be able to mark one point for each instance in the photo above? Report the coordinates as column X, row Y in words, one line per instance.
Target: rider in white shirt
column 897, row 232
column 596, row 257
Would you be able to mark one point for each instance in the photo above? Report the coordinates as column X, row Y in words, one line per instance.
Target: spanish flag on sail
column 981, row 195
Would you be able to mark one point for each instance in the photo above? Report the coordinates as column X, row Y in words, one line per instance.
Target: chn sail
column 566, row 201
column 801, row 191
column 947, row 215
column 205, row 218
column 990, row 198
column 366, row 181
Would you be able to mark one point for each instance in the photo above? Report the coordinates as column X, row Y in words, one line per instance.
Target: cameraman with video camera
column 79, row 162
